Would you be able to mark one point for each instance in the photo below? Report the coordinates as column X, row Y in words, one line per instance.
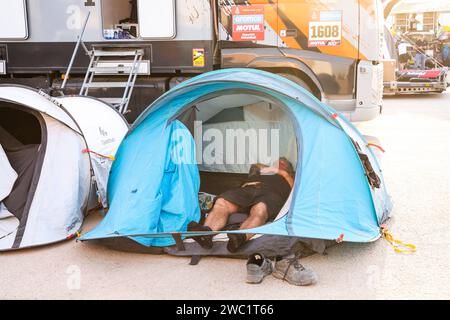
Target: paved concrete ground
column 414, row 130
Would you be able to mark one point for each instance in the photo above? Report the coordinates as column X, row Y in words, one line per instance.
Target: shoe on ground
column 294, row 272
column 205, row 242
column 258, row 267
column 236, row 240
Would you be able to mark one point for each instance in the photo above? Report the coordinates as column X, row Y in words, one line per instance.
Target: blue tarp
column 152, row 196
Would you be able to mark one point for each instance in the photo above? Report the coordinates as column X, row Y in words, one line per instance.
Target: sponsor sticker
column 325, row 29
column 248, row 23
column 198, row 57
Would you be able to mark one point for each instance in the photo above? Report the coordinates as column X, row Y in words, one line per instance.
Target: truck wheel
column 297, row 80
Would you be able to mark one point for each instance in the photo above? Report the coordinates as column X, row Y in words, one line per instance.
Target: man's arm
column 283, row 173
column 287, row 177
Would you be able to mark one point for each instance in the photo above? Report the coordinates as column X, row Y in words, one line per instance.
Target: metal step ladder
column 113, row 61
column 109, row 60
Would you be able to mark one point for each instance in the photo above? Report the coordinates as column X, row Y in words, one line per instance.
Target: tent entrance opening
column 21, row 137
column 232, row 133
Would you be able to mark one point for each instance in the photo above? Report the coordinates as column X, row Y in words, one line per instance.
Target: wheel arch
column 293, row 67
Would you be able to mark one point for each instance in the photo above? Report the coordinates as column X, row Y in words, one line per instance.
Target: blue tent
column 153, row 197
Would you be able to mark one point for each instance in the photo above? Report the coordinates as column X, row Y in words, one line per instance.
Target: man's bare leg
column 258, row 217
column 218, row 217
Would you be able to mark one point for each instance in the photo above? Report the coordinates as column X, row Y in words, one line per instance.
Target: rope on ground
column 397, row 245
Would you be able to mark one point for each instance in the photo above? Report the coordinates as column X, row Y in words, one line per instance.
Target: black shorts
column 247, row 197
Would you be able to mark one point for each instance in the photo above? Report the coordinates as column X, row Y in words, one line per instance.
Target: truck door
column 13, row 20
column 244, row 21
column 329, row 27
column 157, row 19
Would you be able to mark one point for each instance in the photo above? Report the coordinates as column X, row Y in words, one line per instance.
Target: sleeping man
column 262, row 196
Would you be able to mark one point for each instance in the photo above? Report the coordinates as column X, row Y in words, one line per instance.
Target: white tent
column 54, row 152
column 103, row 128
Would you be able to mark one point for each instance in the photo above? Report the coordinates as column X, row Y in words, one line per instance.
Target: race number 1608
column 325, row 31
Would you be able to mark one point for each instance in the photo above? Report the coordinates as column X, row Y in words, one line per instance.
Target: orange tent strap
column 376, row 146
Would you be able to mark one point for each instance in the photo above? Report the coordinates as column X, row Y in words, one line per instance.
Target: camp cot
column 339, row 192
column 53, row 163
